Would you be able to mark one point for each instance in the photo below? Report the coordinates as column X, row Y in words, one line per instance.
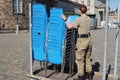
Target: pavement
column 14, row 56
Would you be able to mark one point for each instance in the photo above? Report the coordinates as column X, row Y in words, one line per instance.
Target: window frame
column 82, row 1
column 88, row 3
column 18, row 5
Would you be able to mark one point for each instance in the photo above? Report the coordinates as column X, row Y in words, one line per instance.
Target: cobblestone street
column 14, row 54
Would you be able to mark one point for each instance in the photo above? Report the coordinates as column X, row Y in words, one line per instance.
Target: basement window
column 17, row 6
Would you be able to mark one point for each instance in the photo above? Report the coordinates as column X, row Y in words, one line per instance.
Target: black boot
column 80, row 78
column 88, row 76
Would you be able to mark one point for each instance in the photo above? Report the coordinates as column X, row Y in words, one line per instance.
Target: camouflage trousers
column 83, row 53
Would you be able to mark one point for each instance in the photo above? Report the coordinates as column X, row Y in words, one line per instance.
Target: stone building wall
column 8, row 18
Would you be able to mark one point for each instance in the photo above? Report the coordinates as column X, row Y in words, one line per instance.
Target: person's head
column 83, row 9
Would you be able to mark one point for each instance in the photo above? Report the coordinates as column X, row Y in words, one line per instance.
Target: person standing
column 84, row 43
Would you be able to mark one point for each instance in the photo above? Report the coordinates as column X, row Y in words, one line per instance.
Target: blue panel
column 54, row 56
column 38, row 53
column 56, row 35
column 57, row 12
column 72, row 18
column 39, row 22
column 38, row 8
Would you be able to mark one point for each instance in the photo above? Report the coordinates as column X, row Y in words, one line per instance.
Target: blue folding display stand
column 38, row 23
column 56, row 38
column 73, row 37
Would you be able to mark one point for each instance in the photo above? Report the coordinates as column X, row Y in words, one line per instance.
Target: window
column 17, row 6
column 82, row 2
column 88, row 9
column 88, row 3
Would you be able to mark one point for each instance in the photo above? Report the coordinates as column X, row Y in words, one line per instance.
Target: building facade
column 13, row 12
column 112, row 16
column 96, row 9
column 100, row 11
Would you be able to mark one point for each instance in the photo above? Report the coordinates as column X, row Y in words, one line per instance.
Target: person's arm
column 73, row 25
column 68, row 25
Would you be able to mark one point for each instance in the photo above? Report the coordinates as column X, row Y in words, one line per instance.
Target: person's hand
column 63, row 17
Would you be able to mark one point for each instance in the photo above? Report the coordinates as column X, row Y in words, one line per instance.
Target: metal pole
column 117, row 38
column 106, row 39
column 17, row 26
column 46, row 56
column 118, row 16
column 116, row 53
column 30, row 26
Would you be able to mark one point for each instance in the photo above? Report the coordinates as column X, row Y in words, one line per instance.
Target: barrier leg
column 42, row 65
column 116, row 53
column 46, row 63
column 31, row 58
column 62, row 69
column 63, row 56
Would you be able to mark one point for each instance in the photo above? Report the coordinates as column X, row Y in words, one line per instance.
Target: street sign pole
column 106, row 39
